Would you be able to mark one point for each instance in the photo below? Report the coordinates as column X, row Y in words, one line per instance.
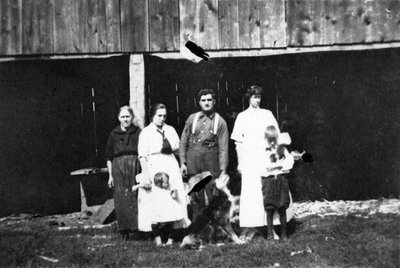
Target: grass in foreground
column 317, row 242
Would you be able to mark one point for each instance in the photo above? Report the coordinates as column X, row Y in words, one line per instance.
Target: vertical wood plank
column 328, row 36
column 31, row 38
column 113, row 23
column 102, row 26
column 344, row 23
column 5, row 27
column 91, row 33
column 356, row 29
column 228, row 24
column 189, row 21
column 66, row 27
column 249, row 24
column 272, row 23
column 208, row 25
column 392, row 13
column 317, row 24
column 11, row 27
column 141, row 26
column 300, row 26
column 164, row 25
column 369, row 21
column 134, row 25
column 82, row 27
column 199, row 22
column 1, row 26
column 381, row 21
column 137, row 88
column 46, row 27
column 16, row 27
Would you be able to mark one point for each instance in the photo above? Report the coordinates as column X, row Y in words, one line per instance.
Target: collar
column 251, row 109
column 153, row 126
column 211, row 116
column 119, row 130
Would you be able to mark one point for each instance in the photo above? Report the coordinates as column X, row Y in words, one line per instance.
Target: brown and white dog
column 216, row 218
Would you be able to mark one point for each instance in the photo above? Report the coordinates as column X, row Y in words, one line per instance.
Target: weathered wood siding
column 323, row 22
column 30, row 27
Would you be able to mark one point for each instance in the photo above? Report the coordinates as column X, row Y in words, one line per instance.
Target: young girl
column 165, row 207
column 275, row 186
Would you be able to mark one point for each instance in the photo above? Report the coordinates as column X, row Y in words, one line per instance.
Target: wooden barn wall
column 32, row 27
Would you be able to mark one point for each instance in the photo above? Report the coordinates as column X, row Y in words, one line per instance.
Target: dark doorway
column 46, row 110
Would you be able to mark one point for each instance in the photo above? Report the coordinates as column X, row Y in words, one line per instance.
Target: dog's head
column 191, row 241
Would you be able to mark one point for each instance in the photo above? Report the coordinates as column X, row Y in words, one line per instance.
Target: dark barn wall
column 47, row 128
column 342, row 107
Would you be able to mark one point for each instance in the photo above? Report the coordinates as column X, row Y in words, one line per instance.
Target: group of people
column 149, row 193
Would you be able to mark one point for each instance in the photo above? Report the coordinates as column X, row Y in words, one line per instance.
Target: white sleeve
column 271, row 120
column 173, row 138
column 237, row 132
column 288, row 162
column 143, row 145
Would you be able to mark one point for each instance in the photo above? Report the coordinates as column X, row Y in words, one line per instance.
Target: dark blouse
column 122, row 142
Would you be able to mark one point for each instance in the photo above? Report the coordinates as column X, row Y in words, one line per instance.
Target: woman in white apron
column 157, row 144
column 249, row 136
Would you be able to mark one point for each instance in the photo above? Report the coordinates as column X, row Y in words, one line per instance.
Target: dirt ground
column 364, row 209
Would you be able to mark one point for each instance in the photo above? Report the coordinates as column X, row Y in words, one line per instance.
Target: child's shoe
column 158, row 241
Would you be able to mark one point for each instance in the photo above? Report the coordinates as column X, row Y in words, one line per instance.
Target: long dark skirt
column 124, row 170
column 275, row 192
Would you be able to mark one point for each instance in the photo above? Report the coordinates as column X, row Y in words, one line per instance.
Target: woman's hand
column 110, row 182
column 146, row 182
column 174, row 194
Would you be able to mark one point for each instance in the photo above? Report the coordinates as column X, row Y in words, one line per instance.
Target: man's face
column 255, row 100
column 207, row 103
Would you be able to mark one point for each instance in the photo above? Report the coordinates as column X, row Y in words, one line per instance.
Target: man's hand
column 183, row 169
column 223, row 172
column 110, row 182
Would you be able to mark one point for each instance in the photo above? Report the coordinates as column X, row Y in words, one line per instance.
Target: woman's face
column 255, row 100
column 160, row 117
column 125, row 118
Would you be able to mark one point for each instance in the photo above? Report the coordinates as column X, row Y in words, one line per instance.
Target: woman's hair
column 253, row 90
column 128, row 108
column 154, row 108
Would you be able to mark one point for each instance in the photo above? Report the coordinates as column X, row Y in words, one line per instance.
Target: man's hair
column 206, row 91
column 253, row 90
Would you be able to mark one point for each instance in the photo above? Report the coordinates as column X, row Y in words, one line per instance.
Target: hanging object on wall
column 192, row 51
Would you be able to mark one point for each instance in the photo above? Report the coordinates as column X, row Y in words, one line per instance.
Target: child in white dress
column 165, row 207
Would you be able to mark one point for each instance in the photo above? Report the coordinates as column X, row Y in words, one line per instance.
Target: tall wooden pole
column 137, row 90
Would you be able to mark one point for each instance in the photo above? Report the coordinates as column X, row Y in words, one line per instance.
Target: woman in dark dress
column 123, row 165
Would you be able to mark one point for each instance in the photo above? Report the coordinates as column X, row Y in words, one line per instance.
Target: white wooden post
column 137, row 88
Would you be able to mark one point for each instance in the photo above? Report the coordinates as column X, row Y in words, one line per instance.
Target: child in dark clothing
column 275, row 186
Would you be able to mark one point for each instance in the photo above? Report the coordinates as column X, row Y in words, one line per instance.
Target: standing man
column 204, row 147
column 249, row 136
